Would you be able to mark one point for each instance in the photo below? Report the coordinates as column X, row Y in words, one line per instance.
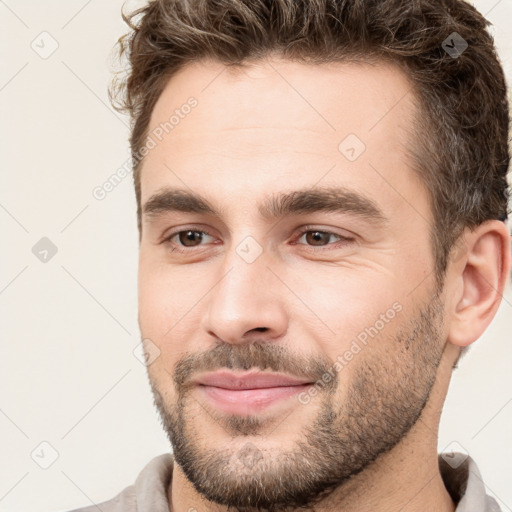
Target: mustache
column 245, row 356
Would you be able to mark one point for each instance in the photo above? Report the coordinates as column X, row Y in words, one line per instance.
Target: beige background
column 69, row 326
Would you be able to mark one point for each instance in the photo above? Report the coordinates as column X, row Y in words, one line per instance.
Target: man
column 322, row 200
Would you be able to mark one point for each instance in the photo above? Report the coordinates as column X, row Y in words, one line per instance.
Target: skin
column 274, row 127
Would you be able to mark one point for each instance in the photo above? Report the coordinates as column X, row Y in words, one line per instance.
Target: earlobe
column 482, row 276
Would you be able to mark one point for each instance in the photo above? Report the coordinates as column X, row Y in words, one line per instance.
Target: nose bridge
column 246, row 296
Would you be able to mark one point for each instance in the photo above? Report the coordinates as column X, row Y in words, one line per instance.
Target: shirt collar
column 463, row 481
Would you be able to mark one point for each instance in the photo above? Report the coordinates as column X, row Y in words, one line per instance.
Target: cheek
column 154, row 305
column 162, row 296
column 341, row 307
column 169, row 312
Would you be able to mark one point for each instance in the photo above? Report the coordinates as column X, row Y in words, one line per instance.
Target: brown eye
column 190, row 237
column 318, row 237
column 185, row 239
column 322, row 240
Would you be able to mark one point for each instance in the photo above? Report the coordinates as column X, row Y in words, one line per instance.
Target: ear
column 479, row 277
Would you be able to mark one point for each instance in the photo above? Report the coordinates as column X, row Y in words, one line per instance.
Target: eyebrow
column 275, row 206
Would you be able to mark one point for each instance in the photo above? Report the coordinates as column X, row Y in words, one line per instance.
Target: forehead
column 281, row 122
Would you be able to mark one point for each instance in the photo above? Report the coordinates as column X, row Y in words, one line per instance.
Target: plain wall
column 69, row 325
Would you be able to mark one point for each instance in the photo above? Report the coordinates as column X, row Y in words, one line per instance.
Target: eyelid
column 347, row 234
column 173, row 233
column 343, row 239
column 186, row 227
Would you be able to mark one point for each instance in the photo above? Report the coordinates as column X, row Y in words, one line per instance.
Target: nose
column 246, row 303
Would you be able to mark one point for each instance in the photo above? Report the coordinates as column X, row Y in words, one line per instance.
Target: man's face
column 336, row 290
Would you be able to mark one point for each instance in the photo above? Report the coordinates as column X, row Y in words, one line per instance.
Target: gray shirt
column 149, row 492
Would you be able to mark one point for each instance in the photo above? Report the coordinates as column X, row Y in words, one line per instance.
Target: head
column 376, row 128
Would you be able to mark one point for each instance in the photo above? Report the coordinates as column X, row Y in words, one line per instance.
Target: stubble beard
column 383, row 401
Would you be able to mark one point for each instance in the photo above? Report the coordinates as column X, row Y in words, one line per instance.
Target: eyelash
column 307, row 229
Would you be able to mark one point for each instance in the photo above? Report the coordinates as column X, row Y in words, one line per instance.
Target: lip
column 249, row 392
column 248, row 380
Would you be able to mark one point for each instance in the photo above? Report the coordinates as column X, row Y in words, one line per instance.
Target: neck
column 407, row 478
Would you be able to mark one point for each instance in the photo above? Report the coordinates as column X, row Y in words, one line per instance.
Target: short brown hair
column 460, row 148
